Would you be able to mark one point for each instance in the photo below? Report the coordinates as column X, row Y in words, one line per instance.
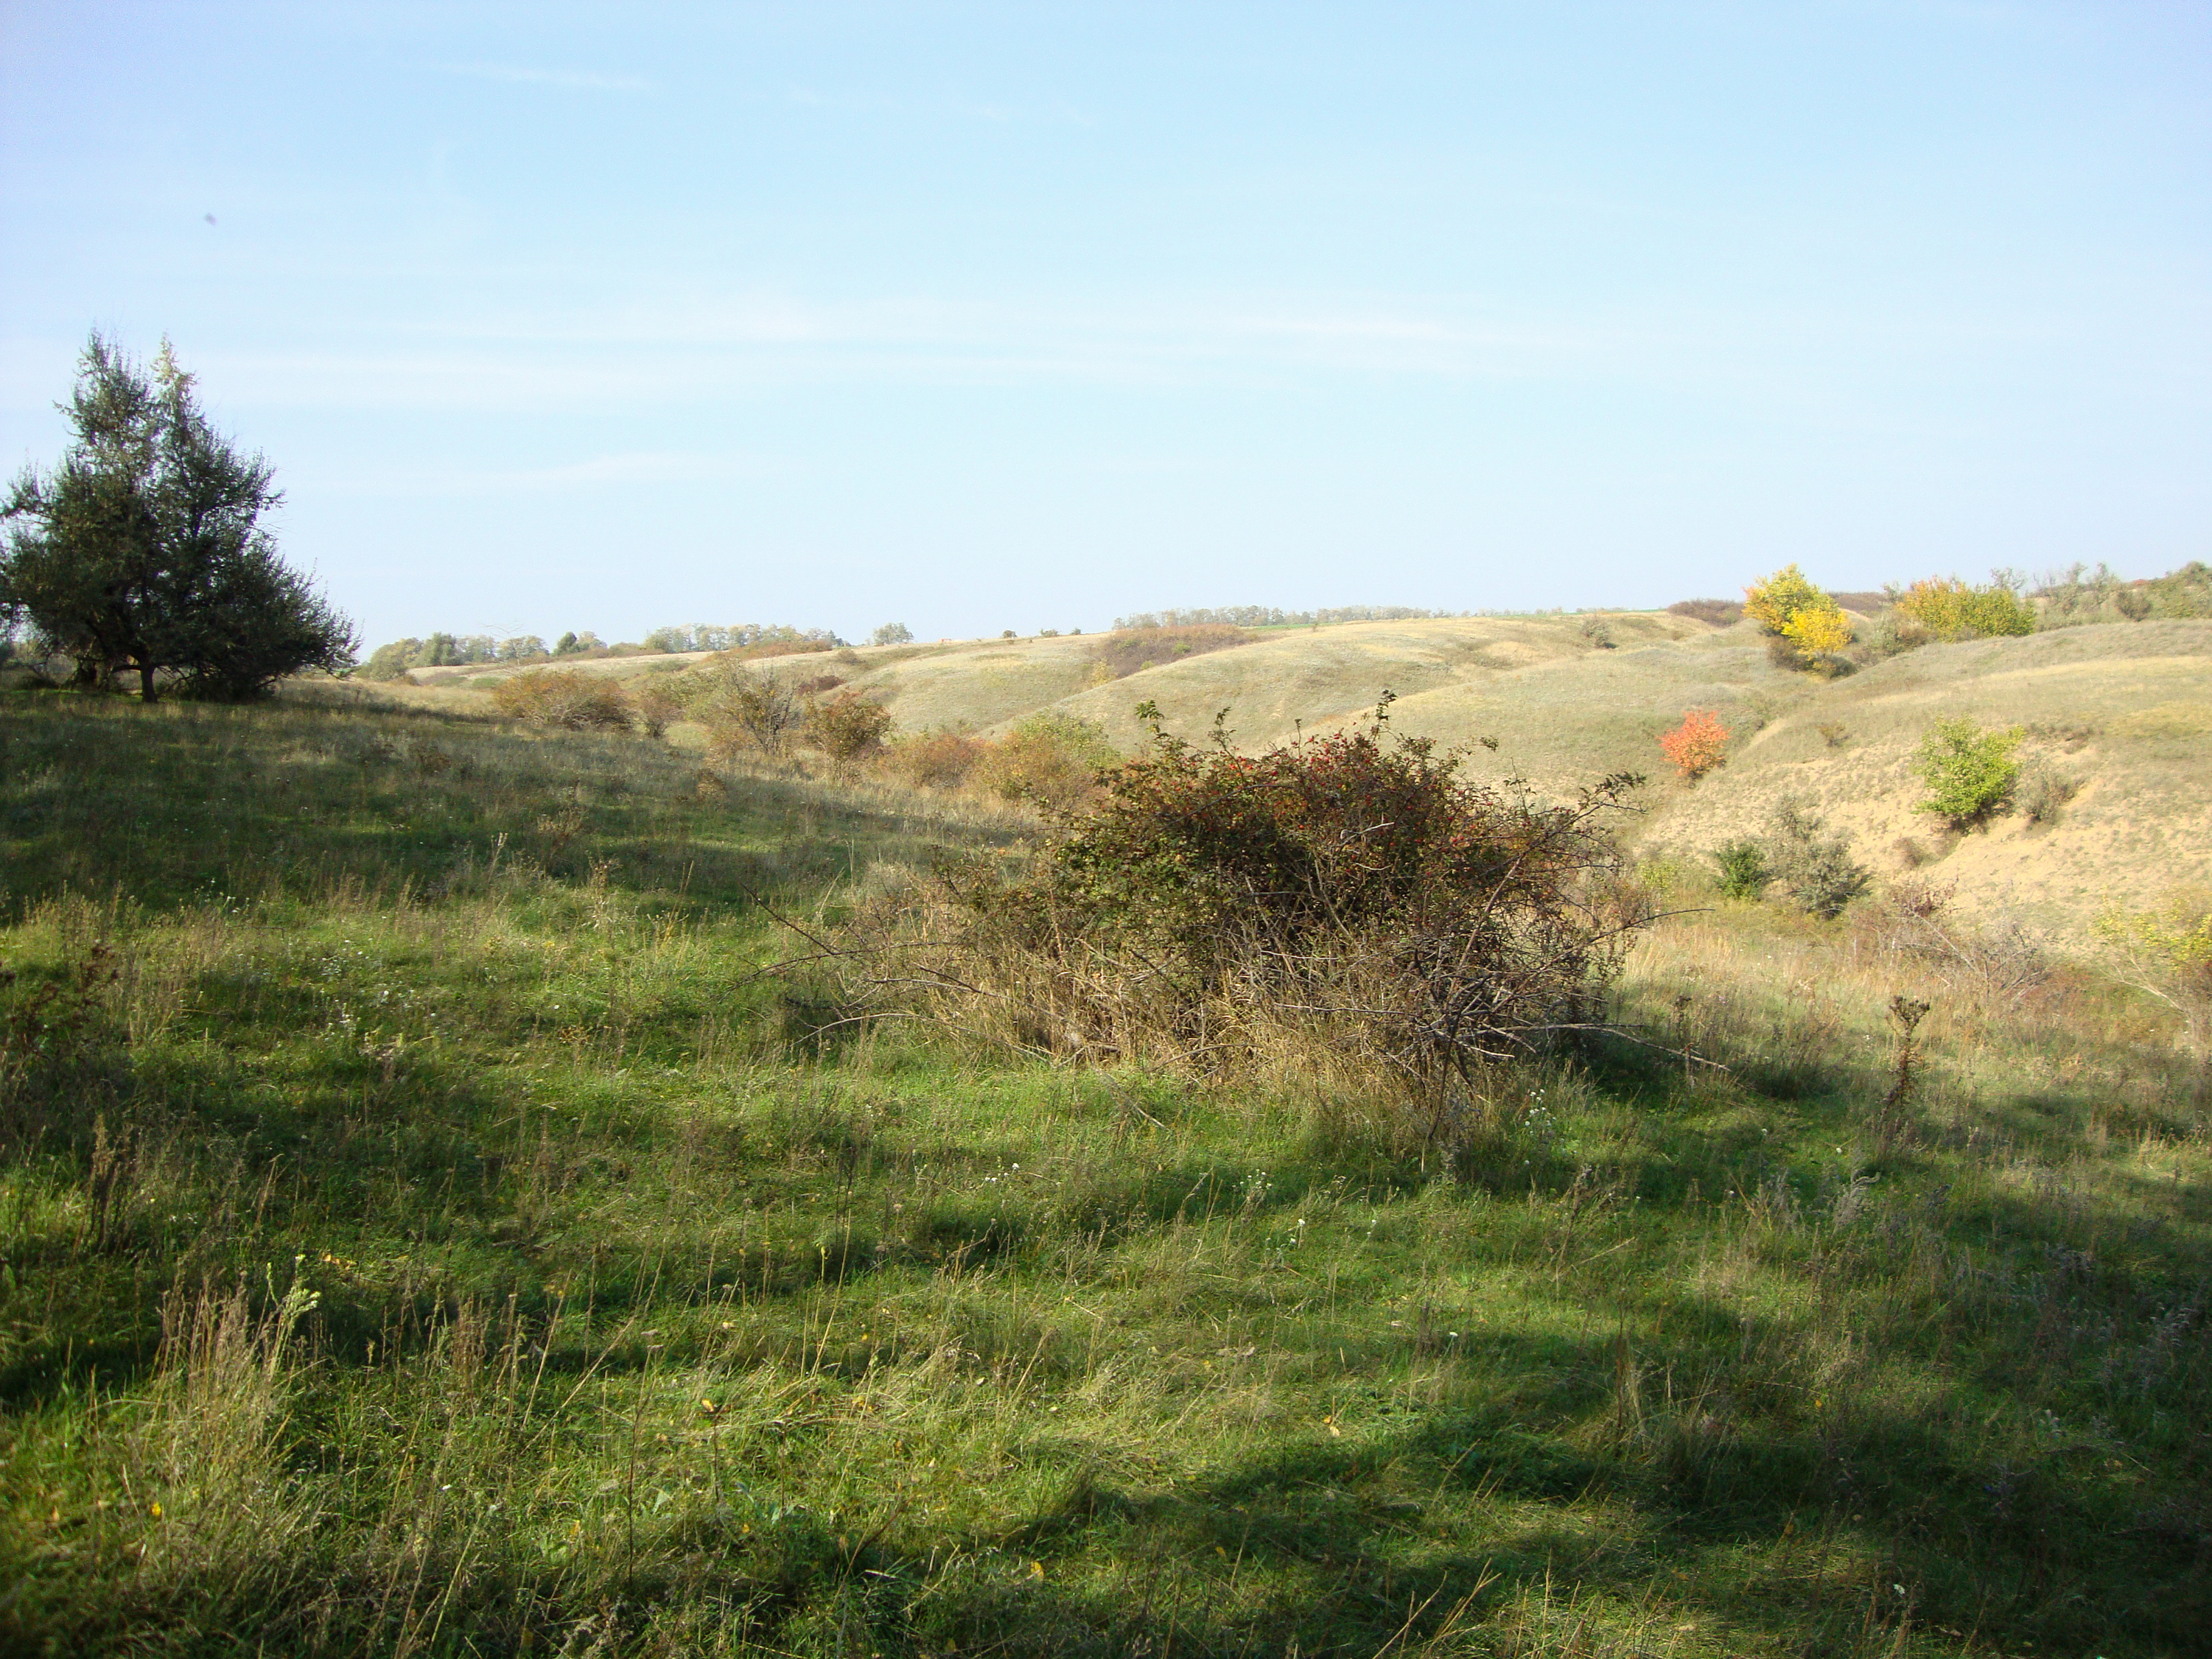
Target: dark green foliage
column 1817, row 872
column 1354, row 880
column 1742, row 869
column 142, row 552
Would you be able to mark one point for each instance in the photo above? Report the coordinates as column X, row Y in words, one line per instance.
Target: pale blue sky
column 982, row 317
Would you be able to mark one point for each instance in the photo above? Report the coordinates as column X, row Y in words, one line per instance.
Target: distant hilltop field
column 2111, row 724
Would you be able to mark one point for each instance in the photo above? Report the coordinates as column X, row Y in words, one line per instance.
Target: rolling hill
column 2119, row 715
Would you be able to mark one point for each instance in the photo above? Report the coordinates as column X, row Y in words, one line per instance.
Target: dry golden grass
column 2119, row 713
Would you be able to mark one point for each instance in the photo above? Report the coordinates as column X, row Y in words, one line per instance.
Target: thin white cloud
column 524, row 75
column 597, row 472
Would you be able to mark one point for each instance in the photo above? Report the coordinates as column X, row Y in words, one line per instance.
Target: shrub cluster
column 1132, row 649
column 567, row 697
column 1805, row 627
column 2168, row 952
column 847, row 727
column 741, row 707
column 2080, row 595
column 1050, row 759
column 1722, row 613
column 1946, row 609
column 1815, row 869
column 1347, row 894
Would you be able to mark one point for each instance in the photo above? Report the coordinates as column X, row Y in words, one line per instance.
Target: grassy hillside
column 426, row 1232
column 2123, row 715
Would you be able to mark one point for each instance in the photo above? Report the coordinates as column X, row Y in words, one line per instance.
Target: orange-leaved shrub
column 1698, row 745
column 566, row 697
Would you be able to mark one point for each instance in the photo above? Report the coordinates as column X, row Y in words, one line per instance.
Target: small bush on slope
column 1805, row 627
column 2168, row 953
column 845, row 728
column 1817, row 872
column 1052, row 760
column 1970, row 773
column 1742, row 870
column 742, row 708
column 1698, row 745
column 566, row 697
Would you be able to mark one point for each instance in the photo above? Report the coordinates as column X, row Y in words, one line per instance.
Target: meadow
column 435, row 1218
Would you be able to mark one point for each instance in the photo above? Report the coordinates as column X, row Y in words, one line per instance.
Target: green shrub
column 1970, row 773
column 1742, row 870
column 1817, row 872
column 390, row 662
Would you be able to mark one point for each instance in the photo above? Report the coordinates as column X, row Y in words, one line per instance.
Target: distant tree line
column 739, row 636
column 389, row 662
column 1263, row 615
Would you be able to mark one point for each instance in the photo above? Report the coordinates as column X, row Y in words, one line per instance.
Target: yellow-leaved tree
column 1806, row 628
column 1819, row 631
column 1773, row 601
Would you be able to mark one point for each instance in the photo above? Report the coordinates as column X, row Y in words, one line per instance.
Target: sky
column 985, row 317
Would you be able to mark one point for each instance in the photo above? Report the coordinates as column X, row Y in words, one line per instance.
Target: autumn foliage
column 1698, row 745
column 1348, row 895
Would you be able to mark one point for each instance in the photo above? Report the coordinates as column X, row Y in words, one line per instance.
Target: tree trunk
column 146, row 682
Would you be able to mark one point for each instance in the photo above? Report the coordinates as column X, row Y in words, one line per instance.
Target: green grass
column 425, row 1231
